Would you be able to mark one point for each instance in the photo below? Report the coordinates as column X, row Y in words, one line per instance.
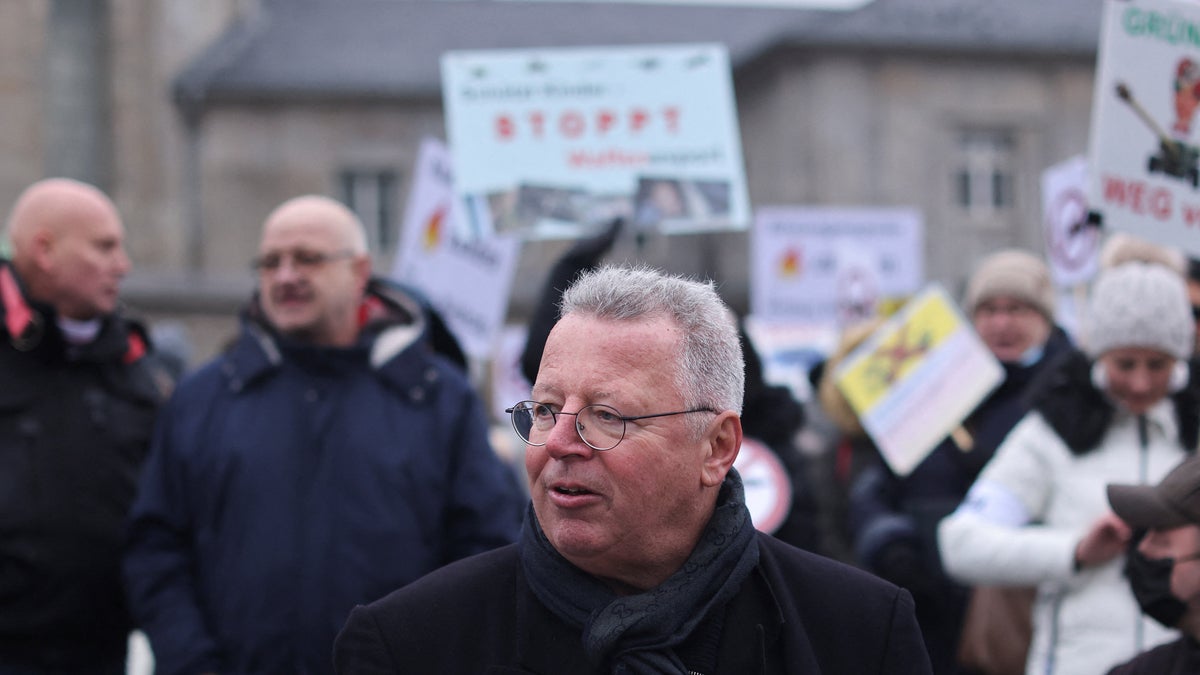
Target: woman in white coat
column 1038, row 516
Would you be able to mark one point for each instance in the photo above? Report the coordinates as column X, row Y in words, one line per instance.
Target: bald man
column 77, row 404
column 329, row 457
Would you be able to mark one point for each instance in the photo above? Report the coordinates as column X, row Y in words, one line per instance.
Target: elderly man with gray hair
column 638, row 554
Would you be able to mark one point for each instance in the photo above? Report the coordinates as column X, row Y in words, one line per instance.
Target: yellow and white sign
column 917, row 378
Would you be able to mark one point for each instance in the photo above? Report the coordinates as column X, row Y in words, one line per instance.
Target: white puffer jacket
column 1020, row 524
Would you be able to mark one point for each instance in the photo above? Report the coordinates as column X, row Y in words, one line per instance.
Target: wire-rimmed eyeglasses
column 302, row 260
column 600, row 426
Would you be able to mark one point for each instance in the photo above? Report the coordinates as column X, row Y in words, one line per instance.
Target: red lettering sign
column 574, row 124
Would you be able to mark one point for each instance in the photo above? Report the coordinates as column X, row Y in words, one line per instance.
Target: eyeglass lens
column 302, row 259
column 600, row 426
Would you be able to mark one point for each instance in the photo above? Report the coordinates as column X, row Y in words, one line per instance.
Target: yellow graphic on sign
column 898, row 352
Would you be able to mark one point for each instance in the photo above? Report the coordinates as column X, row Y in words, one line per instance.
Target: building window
column 371, row 193
column 984, row 179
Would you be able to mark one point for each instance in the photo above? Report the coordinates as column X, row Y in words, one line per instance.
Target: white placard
column 820, row 265
column 466, row 278
column 555, row 139
column 1072, row 244
column 768, row 488
column 1143, row 154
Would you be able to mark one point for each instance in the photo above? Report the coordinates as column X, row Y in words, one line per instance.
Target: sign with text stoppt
column 552, row 141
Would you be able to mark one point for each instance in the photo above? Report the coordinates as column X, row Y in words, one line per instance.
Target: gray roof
column 390, row 49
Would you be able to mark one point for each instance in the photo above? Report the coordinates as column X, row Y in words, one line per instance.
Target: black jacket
column 74, row 428
column 894, row 519
column 797, row 613
column 1181, row 657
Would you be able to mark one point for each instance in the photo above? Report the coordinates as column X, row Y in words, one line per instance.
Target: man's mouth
column 572, row 491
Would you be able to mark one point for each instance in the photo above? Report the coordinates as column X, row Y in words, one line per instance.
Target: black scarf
column 638, row 634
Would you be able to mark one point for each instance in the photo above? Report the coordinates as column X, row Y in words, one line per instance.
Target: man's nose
column 287, row 269
column 123, row 263
column 564, row 439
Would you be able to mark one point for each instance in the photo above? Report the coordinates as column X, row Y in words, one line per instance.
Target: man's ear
column 42, row 245
column 362, row 270
column 723, row 440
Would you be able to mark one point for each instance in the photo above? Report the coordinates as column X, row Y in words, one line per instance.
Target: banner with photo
column 832, row 265
column 466, row 278
column 554, row 142
column 917, row 377
column 1144, row 151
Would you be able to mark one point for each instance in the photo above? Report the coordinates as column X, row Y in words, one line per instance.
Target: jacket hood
column 393, row 319
column 1081, row 414
column 32, row 326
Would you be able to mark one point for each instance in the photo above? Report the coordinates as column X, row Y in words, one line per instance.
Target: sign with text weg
column 1144, row 149
column 554, row 140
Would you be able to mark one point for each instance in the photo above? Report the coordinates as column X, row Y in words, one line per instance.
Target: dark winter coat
column 797, row 613
column 894, row 519
column 75, row 425
column 288, row 483
column 1181, row 657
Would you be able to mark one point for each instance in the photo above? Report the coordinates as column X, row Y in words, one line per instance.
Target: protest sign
column 917, row 377
column 555, row 140
column 466, row 278
column 829, row 265
column 1143, row 153
column 768, row 488
column 1072, row 244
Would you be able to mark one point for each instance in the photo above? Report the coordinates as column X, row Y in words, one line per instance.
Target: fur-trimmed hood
column 1081, row 414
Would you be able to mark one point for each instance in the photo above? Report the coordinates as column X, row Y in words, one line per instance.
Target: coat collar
column 31, row 326
column 394, row 342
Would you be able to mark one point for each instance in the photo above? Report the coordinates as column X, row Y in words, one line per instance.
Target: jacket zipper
column 1139, row 633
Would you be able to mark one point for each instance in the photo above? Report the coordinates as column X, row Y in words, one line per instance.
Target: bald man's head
column 68, row 246
column 324, row 213
column 313, row 268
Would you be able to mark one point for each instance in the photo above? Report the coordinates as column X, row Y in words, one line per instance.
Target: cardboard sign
column 832, row 265
column 916, row 378
column 1144, row 154
column 466, row 278
column 555, row 140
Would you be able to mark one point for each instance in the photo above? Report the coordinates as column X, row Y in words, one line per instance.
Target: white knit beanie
column 1137, row 304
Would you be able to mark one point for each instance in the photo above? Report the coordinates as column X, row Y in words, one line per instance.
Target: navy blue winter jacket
column 287, row 484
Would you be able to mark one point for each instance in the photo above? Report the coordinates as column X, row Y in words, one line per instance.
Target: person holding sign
column 638, row 554
column 893, row 519
column 329, row 456
column 1037, row 515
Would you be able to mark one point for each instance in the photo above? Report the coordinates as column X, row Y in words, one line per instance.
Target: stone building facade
column 215, row 111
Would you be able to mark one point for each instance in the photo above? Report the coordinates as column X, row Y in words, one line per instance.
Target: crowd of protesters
column 336, row 451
